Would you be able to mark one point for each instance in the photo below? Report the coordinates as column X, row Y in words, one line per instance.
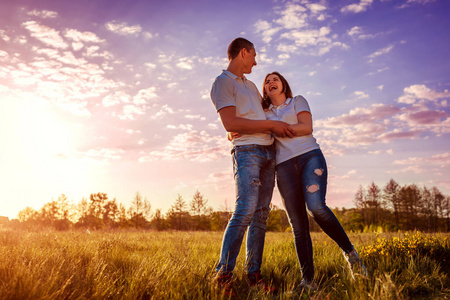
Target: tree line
column 407, row 207
column 390, row 208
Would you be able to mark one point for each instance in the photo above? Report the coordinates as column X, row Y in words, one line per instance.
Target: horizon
column 113, row 96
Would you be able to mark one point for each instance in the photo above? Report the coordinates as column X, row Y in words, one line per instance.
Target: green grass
column 180, row 265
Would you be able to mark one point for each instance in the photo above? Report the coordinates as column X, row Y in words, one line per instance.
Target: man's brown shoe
column 225, row 283
column 256, row 281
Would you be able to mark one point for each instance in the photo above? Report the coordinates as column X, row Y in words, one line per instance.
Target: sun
column 39, row 147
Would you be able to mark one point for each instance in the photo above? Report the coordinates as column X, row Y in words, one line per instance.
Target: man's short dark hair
column 237, row 45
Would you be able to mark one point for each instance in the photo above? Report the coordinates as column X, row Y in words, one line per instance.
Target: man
column 238, row 103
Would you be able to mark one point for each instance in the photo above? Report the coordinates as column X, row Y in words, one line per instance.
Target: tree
column 139, row 210
column 200, row 212
column 111, row 213
column 438, row 206
column 123, row 216
column 158, row 221
column 409, row 199
column 179, row 204
column 391, row 197
column 64, row 207
column 27, row 214
column 48, row 214
column 198, row 204
column 350, row 219
column 177, row 217
column 374, row 204
column 277, row 220
column 95, row 211
column 96, row 205
column 427, row 210
column 447, row 214
column 219, row 220
column 83, row 208
column 361, row 204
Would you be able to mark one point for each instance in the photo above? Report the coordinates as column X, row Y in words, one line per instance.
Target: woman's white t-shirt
column 288, row 148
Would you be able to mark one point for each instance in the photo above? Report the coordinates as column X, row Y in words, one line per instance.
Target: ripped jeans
column 254, row 175
column 300, row 180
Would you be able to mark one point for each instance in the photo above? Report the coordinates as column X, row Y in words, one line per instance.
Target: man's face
column 249, row 60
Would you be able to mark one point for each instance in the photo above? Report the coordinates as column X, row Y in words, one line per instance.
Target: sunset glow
column 113, row 96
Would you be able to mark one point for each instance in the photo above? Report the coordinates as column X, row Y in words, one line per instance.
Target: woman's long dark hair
column 286, row 89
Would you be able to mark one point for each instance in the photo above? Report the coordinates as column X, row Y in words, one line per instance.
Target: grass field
column 179, row 265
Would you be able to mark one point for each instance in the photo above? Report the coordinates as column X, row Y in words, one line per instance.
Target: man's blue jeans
column 254, row 175
column 300, row 180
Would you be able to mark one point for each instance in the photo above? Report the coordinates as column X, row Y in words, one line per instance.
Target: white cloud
column 85, row 37
column 173, row 85
column 213, row 126
column 181, row 127
column 45, row 34
column 442, row 159
column 354, row 31
column 21, row 39
column 308, row 38
column 4, row 36
column 381, row 51
column 423, row 117
column 185, row 63
column 421, row 92
column 379, row 71
column 77, row 46
column 293, row 17
column 91, row 50
column 382, row 123
column 130, row 111
column 420, row 2
column 362, row 6
column 357, row 33
column 316, row 8
column 116, row 98
column 409, row 170
column 150, row 66
column 360, row 94
column 62, row 79
column 193, row 146
column 266, row 30
column 123, row 28
column 144, row 95
column 147, row 35
column 44, row 14
column 287, row 48
column 376, row 152
column 4, row 55
column 298, row 24
column 68, row 58
column 97, row 155
column 193, row 117
column 4, row 89
column 165, row 110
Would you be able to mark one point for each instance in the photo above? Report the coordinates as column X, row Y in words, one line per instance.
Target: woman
column 302, row 176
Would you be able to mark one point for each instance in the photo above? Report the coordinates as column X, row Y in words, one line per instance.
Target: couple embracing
column 272, row 137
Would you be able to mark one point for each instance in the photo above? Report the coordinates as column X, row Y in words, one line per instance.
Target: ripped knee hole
column 318, row 172
column 312, row 188
column 256, row 182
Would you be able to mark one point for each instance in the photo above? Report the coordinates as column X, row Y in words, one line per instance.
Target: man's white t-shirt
column 231, row 90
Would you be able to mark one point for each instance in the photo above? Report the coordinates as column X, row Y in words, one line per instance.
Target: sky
column 113, row 96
